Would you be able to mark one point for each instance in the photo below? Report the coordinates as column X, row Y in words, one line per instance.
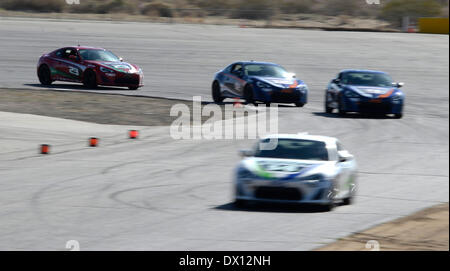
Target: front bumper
column 320, row 192
column 122, row 79
column 288, row 95
column 373, row 106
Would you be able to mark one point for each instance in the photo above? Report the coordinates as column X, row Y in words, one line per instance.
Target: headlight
column 303, row 88
column 397, row 97
column 244, row 174
column 351, row 94
column 314, row 179
column 263, row 85
column 105, row 70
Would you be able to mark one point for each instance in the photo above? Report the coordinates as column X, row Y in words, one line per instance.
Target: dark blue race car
column 363, row 91
column 259, row 82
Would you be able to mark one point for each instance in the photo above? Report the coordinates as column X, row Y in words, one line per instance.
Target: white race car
column 296, row 169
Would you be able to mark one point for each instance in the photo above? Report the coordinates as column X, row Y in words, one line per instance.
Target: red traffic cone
column 133, row 134
column 45, row 149
column 93, row 142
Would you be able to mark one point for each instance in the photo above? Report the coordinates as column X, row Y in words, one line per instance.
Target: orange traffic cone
column 133, row 134
column 45, row 149
column 93, row 142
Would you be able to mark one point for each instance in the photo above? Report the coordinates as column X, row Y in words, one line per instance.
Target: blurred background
column 388, row 14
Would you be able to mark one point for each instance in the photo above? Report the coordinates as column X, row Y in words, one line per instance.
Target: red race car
column 90, row 66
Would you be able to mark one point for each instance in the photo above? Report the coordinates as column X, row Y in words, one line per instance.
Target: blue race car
column 363, row 91
column 259, row 82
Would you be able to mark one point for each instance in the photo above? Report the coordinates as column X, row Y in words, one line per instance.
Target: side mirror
column 120, row 59
column 246, row 153
column 336, row 81
column 401, row 84
column 293, row 75
column 345, row 156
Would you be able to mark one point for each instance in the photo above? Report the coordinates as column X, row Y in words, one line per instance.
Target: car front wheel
column 341, row 109
column 44, row 75
column 248, row 95
column 90, row 79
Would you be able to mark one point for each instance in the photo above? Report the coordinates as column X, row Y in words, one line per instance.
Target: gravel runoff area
column 93, row 107
column 424, row 230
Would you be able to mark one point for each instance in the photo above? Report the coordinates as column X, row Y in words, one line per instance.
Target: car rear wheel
column 398, row 116
column 133, row 88
column 248, row 95
column 44, row 75
column 216, row 93
column 90, row 79
column 299, row 104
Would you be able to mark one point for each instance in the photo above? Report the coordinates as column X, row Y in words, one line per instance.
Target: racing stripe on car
column 387, row 94
column 294, row 85
column 235, row 77
column 303, row 171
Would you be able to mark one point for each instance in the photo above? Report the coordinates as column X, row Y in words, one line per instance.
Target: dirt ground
column 305, row 21
column 92, row 107
column 425, row 230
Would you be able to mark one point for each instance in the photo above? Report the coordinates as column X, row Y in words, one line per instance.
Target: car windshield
column 266, row 70
column 98, row 55
column 295, row 149
column 366, row 79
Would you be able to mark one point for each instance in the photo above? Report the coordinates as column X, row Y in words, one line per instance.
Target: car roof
column 367, row 71
column 87, row 47
column 256, row 62
column 303, row 136
column 78, row 47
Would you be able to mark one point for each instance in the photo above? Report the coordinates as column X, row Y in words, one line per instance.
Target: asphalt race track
column 157, row 193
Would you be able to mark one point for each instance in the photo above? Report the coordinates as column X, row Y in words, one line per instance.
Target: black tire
column 90, row 79
column 347, row 201
column 133, row 88
column 398, row 116
column 44, row 75
column 328, row 109
column 248, row 95
column 341, row 110
column 299, row 104
column 216, row 93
